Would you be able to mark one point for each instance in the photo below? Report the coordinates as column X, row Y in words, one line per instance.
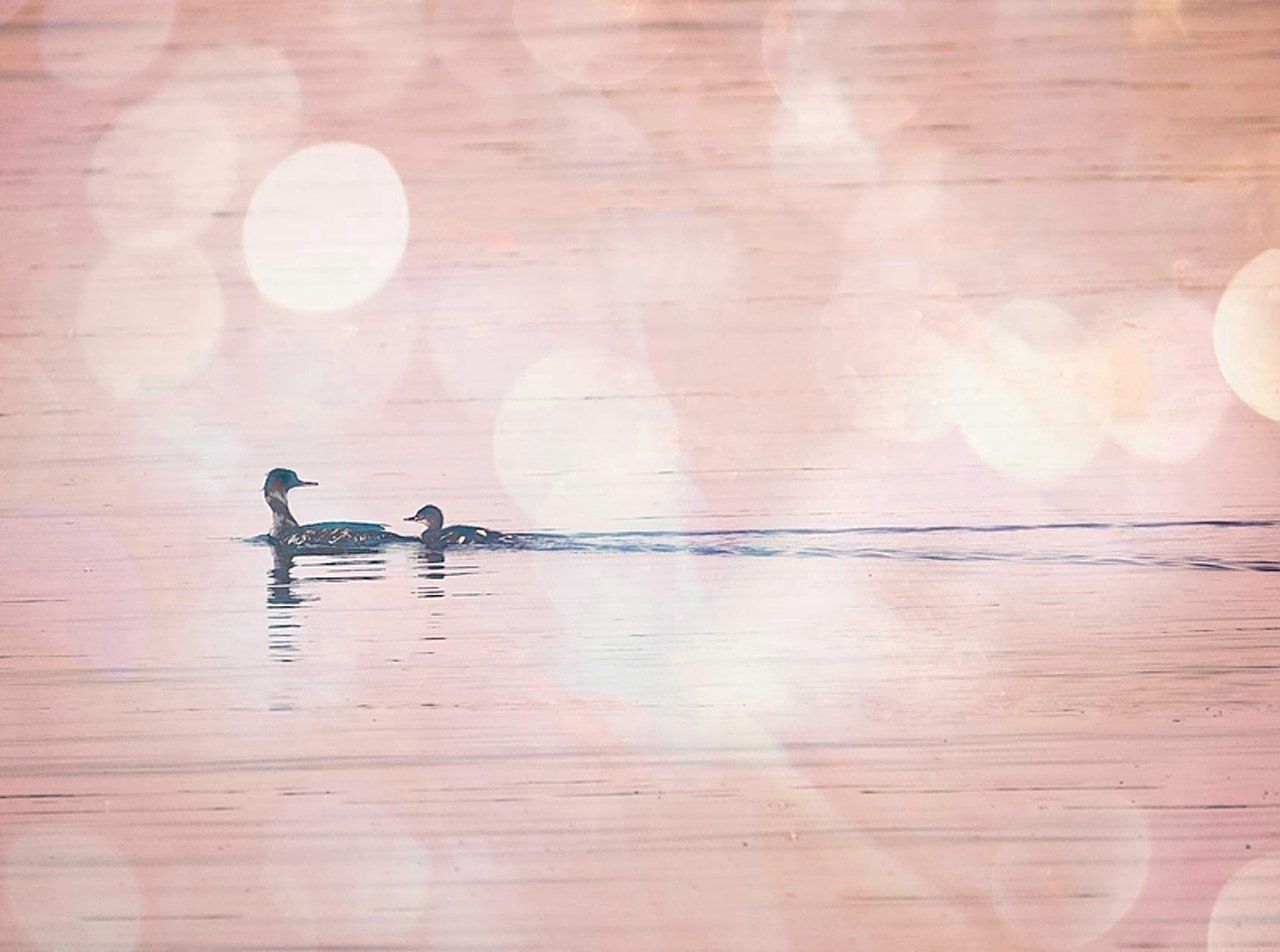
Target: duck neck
column 282, row 520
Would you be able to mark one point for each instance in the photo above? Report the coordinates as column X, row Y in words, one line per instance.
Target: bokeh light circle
column 149, row 318
column 1246, row 915
column 1167, row 397
column 1033, row 401
column 595, row 42
column 71, row 890
column 1246, row 334
column 326, row 228
column 93, row 46
column 1067, row 874
column 162, row 170
column 587, row 440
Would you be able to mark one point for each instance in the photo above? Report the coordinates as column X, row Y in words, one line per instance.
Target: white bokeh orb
column 1246, row 915
column 588, row 440
column 97, row 45
column 326, row 228
column 1167, row 397
column 1066, row 874
column 1033, row 400
column 885, row 352
column 595, row 42
column 162, row 170
column 149, row 319
column 1246, row 334
column 70, row 890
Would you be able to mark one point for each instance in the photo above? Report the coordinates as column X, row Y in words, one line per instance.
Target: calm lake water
column 887, row 393
column 942, row 738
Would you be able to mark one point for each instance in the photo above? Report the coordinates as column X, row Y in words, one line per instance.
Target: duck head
column 280, row 481
column 276, row 490
column 430, row 518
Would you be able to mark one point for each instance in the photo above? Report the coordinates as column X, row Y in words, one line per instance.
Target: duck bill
column 307, row 482
column 410, row 518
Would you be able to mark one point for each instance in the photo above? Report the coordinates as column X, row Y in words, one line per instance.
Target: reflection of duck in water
column 280, row 590
column 436, row 535
column 285, row 530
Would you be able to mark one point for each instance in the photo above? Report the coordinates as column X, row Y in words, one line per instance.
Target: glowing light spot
column 99, row 45
column 258, row 94
column 816, row 142
column 1065, row 876
column 162, row 170
column 587, row 440
column 1244, row 916
column 1035, row 392
column 594, row 42
column 1167, row 397
column 326, row 228
column 31, row 425
column 71, row 891
column 885, row 352
column 1246, row 334
column 149, row 318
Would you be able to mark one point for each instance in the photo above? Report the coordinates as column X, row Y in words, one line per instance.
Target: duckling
column 435, row 535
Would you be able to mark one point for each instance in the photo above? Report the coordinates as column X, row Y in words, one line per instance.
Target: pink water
column 712, row 280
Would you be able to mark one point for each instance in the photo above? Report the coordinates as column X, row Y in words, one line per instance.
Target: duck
column 436, row 535
column 285, row 531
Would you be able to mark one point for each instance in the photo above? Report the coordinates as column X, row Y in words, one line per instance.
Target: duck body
column 436, row 535
column 336, row 535
column 462, row 535
column 286, row 533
